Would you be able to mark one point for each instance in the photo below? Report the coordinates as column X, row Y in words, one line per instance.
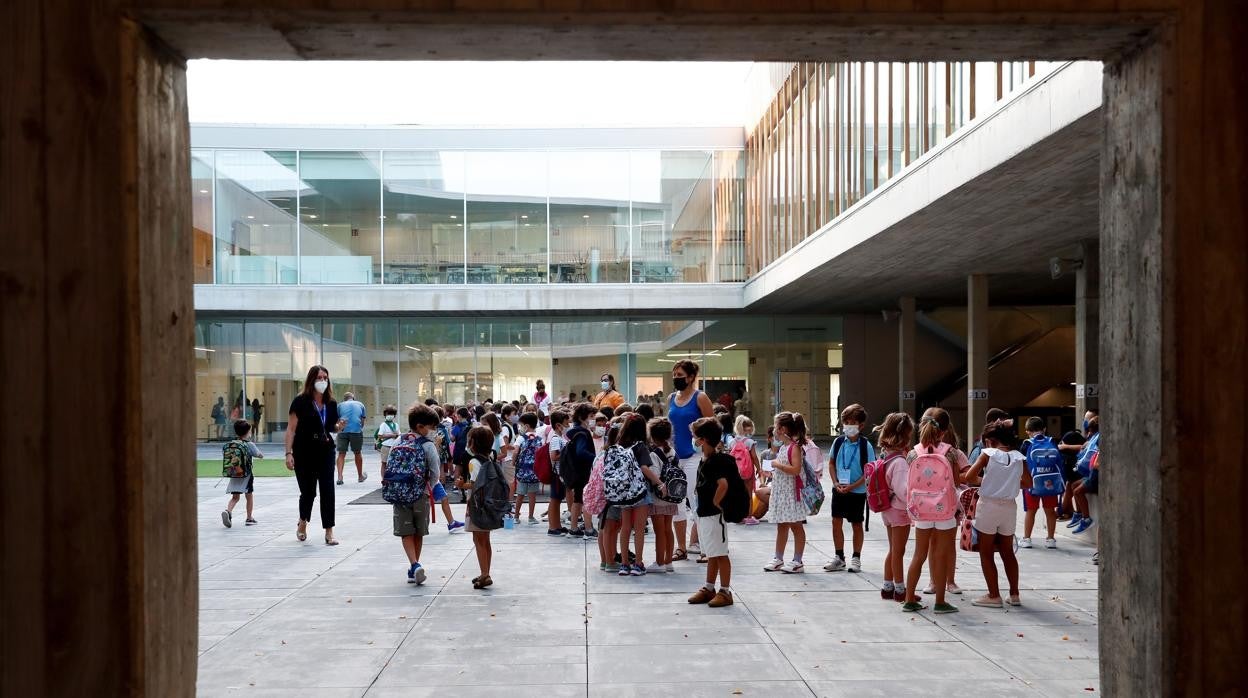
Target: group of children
column 618, row 471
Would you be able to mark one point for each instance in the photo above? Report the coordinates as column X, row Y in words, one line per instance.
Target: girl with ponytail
column 932, row 503
column 787, row 509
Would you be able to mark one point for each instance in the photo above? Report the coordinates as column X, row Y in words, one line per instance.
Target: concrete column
column 96, row 310
column 1087, row 330
column 977, row 353
column 906, row 380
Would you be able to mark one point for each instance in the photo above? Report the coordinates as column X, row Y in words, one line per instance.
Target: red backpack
column 743, row 455
column 542, row 466
column 879, row 494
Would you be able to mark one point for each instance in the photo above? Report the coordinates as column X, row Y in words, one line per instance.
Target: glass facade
column 468, row 216
column 835, row 132
column 253, row 368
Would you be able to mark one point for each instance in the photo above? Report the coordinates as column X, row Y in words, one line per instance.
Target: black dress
column 313, row 449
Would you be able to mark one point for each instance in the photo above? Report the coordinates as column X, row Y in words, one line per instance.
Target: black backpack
column 491, row 497
column 672, row 475
column 736, row 502
column 573, row 475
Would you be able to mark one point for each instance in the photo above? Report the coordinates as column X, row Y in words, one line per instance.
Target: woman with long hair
column 310, row 449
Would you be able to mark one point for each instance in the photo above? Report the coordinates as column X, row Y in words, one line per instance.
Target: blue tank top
column 681, row 418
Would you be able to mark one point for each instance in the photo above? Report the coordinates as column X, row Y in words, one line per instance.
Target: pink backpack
column 741, row 453
column 595, row 490
column 814, row 456
column 879, row 495
column 932, row 495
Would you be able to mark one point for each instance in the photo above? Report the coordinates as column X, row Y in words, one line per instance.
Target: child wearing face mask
column 527, row 484
column 850, row 454
column 787, row 509
column 387, row 435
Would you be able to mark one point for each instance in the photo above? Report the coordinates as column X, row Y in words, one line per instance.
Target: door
column 808, row 391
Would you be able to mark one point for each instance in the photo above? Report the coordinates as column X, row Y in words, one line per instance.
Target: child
column 632, row 436
column 481, row 448
column 411, row 521
column 610, row 543
column 896, row 435
column 712, row 484
column 961, row 464
column 742, row 450
column 849, row 456
column 387, row 435
column 554, row 442
column 527, row 483
column 996, row 515
column 1037, row 439
column 243, row 451
column 661, row 512
column 787, row 509
column 931, row 499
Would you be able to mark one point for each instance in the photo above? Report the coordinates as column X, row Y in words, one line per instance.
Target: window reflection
column 671, row 221
column 424, row 206
column 340, row 217
column 506, row 206
column 255, row 220
column 589, row 201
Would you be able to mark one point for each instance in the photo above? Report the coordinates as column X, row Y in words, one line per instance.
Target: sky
column 466, row 94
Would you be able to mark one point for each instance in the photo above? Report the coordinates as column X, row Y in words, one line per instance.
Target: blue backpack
column 526, row 458
column 406, row 474
column 1084, row 464
column 1045, row 463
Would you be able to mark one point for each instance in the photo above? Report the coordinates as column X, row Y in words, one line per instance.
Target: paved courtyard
column 278, row 617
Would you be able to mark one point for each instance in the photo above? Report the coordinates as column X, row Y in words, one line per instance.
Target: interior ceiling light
column 729, row 346
column 408, row 346
column 203, row 191
column 312, row 216
column 525, row 216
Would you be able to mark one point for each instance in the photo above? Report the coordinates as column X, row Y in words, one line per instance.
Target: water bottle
column 508, row 522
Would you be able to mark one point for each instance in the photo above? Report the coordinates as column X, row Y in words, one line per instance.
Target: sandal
column 679, row 555
column 301, row 530
column 330, row 540
column 482, row 582
column 702, row 559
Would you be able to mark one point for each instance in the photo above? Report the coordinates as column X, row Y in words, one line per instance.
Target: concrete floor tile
column 638, row 664
column 763, row 689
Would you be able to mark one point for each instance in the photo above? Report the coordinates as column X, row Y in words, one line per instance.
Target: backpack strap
column 836, row 447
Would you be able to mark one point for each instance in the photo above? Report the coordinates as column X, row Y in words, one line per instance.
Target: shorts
column 241, row 485
column 557, row 490
column 385, row 455
column 412, row 519
column 1031, row 502
column 996, row 517
column 851, row 506
column 354, row 439
column 509, row 473
column 946, row 525
column 686, row 512
column 658, row 507
column 895, row 517
column 439, row 492
column 527, row 488
column 713, row 535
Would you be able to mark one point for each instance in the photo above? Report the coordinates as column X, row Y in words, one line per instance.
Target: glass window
column 276, row 361
column 218, row 378
column 201, row 214
column 512, row 357
column 582, row 351
column 507, row 236
column 654, row 345
column 255, row 213
column 361, row 358
column 340, row 216
column 589, row 199
column 424, row 207
column 437, row 359
column 730, row 215
column 671, row 215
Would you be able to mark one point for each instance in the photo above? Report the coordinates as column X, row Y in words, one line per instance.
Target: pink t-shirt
column 898, row 480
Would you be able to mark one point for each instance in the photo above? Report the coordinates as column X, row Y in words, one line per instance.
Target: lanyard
column 321, row 411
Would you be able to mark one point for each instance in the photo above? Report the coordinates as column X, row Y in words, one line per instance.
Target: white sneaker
column 532, row 521
column 775, row 564
column 793, row 567
column 1024, row 543
column 855, row 564
column 669, row 568
column 953, row 588
column 836, row 565
column 929, row 589
column 1049, row 543
column 694, row 549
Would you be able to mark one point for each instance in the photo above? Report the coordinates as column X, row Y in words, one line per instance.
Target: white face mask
column 389, row 418
column 851, row 430
column 600, row 432
column 321, row 386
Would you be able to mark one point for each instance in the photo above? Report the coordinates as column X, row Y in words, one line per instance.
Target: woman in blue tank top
column 684, row 407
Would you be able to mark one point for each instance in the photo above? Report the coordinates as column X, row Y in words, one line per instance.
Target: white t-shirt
column 555, row 443
column 1002, row 475
column 390, row 430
